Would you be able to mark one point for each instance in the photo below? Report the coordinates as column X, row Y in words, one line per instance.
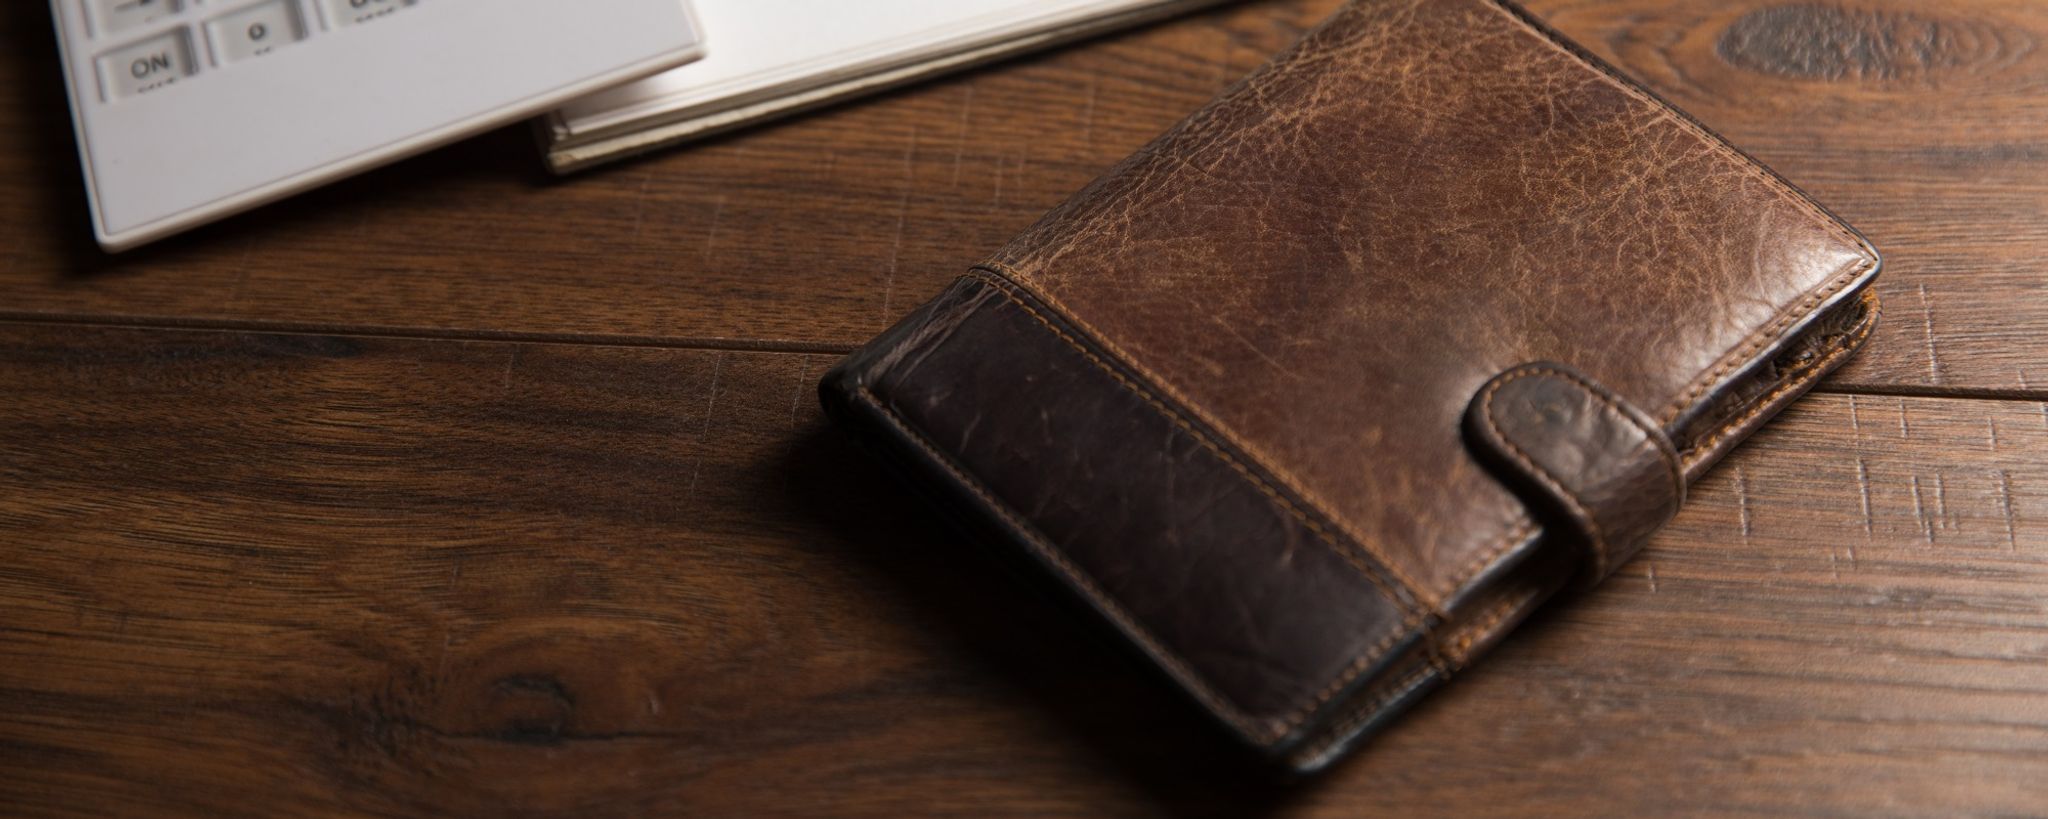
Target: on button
column 147, row 66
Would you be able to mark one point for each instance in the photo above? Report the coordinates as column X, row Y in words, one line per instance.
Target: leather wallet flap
column 1325, row 265
column 1260, row 398
column 1577, row 450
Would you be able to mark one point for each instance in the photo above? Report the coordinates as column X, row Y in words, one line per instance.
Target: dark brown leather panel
column 1246, row 597
column 1327, row 263
column 1222, row 392
column 1579, row 450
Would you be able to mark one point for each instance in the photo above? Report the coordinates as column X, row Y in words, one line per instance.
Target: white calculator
column 191, row 110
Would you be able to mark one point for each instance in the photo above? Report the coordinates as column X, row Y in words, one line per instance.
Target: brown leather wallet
column 1322, row 392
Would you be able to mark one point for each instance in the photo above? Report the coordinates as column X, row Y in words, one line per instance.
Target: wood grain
column 492, row 494
column 1919, row 122
column 815, row 234
column 252, row 574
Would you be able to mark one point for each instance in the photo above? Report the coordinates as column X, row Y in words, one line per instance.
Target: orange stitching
column 1415, row 623
column 1435, row 656
column 1612, row 404
column 1407, row 627
column 1195, row 682
column 1412, row 622
column 1699, row 450
column 1367, row 660
column 1471, row 633
column 1410, row 625
column 1016, row 278
column 1602, row 557
column 1243, row 471
column 1507, row 541
column 1760, row 340
column 1350, row 673
column 1429, row 595
column 1728, row 361
column 1392, row 691
column 1543, row 474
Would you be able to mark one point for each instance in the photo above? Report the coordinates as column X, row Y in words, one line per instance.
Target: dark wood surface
column 455, row 489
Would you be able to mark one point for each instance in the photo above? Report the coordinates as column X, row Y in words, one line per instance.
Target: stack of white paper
column 769, row 58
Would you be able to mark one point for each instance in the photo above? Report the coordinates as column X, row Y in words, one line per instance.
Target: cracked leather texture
column 1331, row 260
column 1222, row 394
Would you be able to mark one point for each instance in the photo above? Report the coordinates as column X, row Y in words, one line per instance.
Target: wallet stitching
column 1352, row 672
column 1471, row 634
column 1735, row 357
column 1762, row 339
column 1322, row 532
column 1007, row 276
column 1654, row 438
column 1385, row 695
column 1658, row 440
column 1821, row 292
column 1762, row 405
column 1412, row 620
column 1513, row 536
column 1413, row 626
column 1196, row 683
column 1539, row 471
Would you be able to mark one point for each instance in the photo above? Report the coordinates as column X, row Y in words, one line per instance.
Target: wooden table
column 457, row 489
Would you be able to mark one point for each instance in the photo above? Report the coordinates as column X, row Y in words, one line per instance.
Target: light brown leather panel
column 1470, row 196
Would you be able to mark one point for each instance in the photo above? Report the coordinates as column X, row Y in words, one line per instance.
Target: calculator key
column 121, row 15
column 351, row 12
column 147, row 65
column 257, row 30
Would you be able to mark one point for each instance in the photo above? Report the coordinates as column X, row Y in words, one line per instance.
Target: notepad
column 771, row 58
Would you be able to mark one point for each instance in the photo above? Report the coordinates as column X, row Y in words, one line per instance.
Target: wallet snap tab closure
column 1575, row 449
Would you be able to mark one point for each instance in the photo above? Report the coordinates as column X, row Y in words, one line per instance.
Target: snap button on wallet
column 1321, row 393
